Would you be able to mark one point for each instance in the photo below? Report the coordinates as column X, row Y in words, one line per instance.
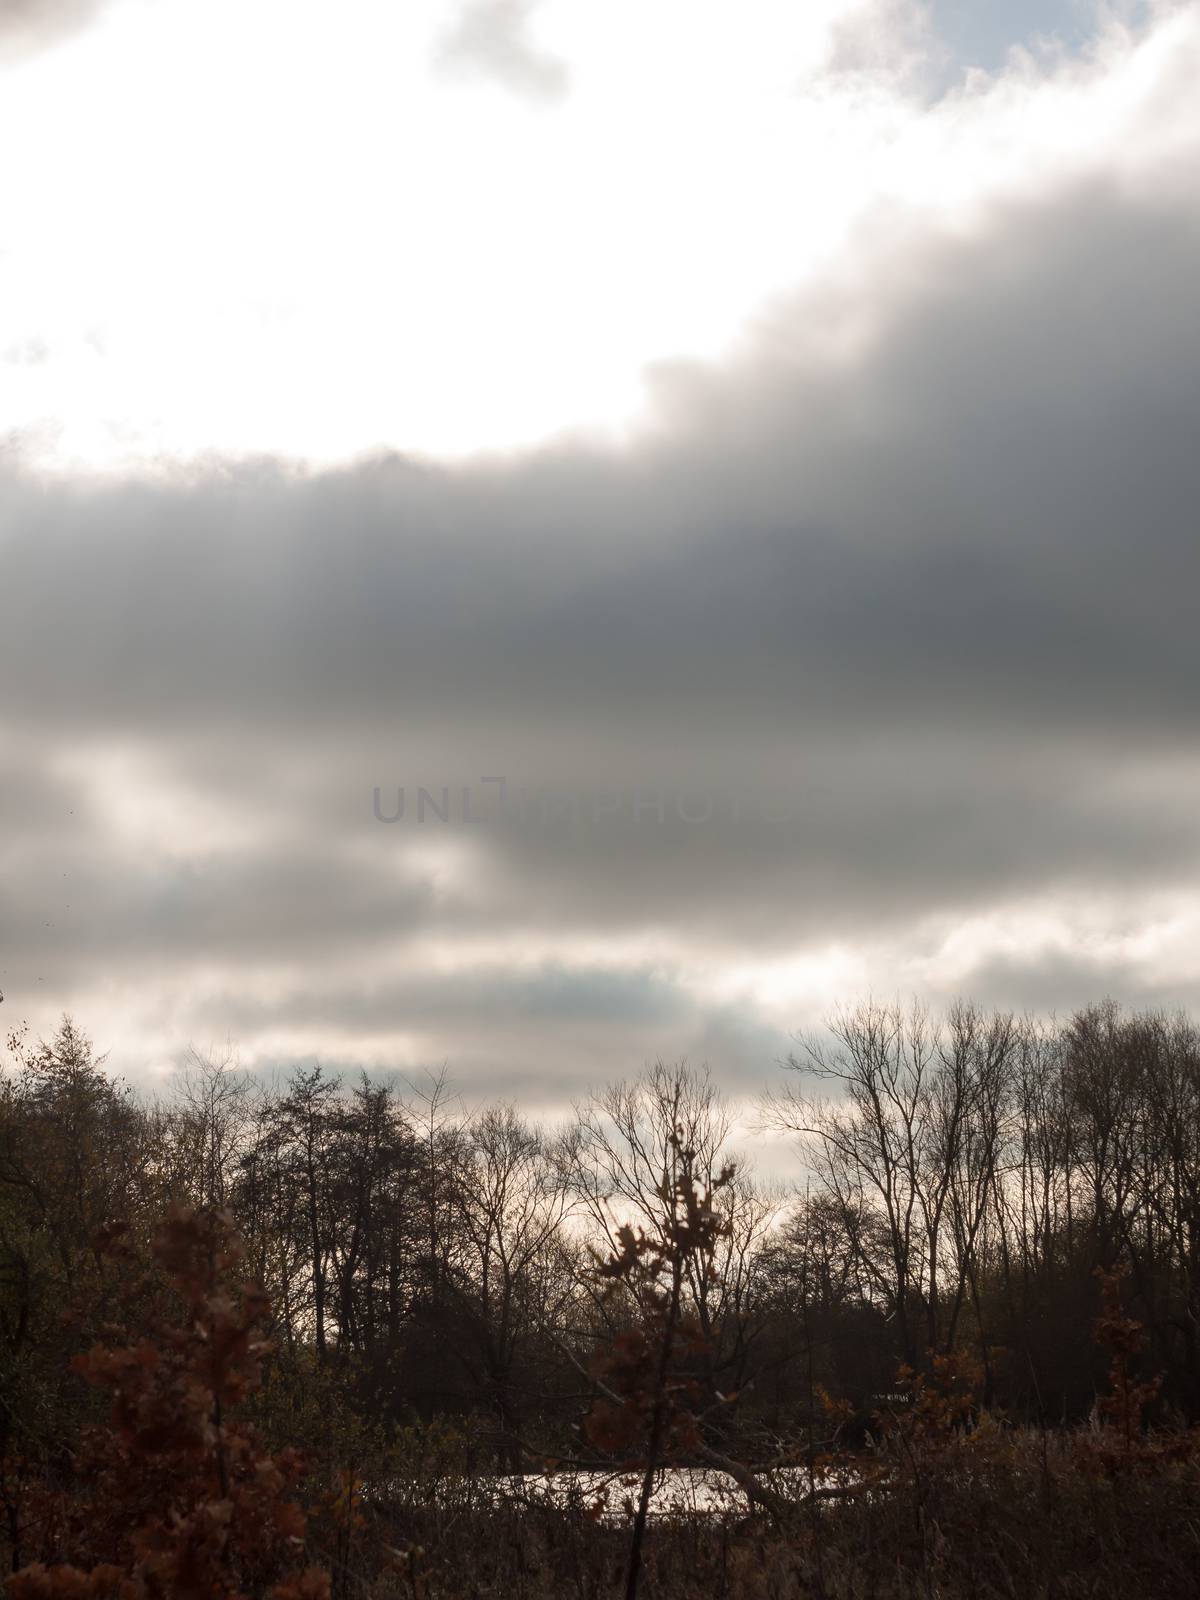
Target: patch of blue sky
column 980, row 33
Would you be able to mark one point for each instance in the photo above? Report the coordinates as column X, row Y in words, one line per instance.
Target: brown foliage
column 645, row 1406
column 647, row 1390
column 1124, row 1444
column 170, row 1497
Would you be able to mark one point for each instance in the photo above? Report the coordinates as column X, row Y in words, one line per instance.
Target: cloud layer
column 28, row 27
column 490, row 39
column 868, row 662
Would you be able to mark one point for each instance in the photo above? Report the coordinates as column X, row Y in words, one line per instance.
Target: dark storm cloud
column 930, row 597
column 989, row 514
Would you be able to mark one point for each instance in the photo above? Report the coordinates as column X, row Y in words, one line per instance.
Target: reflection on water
column 678, row 1491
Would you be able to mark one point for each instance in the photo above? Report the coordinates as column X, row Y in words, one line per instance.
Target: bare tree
column 208, row 1123
column 511, row 1202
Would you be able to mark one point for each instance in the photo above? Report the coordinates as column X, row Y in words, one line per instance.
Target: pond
column 678, row 1491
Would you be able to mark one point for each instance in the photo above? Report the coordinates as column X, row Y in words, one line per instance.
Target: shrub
column 171, row 1497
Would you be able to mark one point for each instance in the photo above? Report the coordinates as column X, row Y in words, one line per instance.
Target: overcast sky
column 764, row 435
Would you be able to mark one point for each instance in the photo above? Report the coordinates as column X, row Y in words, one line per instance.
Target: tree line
column 958, row 1182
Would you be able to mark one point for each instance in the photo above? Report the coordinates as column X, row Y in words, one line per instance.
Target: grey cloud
column 550, row 1032
column 1060, row 982
column 487, row 997
column 946, row 523
column 30, row 25
column 942, row 589
column 163, row 917
column 888, row 36
column 490, row 39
